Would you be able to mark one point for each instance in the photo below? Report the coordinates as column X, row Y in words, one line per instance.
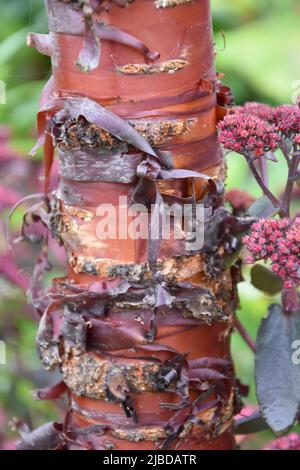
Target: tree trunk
column 139, row 329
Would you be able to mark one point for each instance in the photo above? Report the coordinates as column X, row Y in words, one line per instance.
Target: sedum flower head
column 289, row 442
column 297, row 139
column 247, row 134
column 260, row 110
column 277, row 241
column 286, row 118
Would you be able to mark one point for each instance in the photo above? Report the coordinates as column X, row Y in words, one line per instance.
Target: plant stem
column 293, row 167
column 262, row 185
column 285, row 153
column 244, row 334
column 264, row 171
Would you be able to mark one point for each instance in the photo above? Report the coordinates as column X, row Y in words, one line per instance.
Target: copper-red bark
column 121, row 356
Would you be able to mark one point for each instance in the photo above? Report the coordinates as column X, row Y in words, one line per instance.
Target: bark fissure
column 169, row 66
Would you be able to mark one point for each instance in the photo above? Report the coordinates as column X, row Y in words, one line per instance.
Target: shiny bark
column 139, row 329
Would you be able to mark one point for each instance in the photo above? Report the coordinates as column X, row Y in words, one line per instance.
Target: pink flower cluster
column 286, row 119
column 277, row 241
column 247, row 134
column 260, row 110
column 289, row 442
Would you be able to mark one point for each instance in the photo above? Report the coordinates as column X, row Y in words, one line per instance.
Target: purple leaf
column 262, row 208
column 277, row 376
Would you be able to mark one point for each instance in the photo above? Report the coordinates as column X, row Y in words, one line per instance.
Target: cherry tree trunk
column 139, row 328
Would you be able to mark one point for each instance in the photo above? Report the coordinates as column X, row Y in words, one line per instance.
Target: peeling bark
column 139, row 329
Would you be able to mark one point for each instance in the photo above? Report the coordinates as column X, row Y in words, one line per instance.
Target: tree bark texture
column 139, row 329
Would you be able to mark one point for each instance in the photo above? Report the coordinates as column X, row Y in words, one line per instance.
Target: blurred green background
column 261, row 62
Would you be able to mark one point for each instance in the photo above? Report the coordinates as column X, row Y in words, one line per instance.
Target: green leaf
column 264, row 54
column 11, row 45
column 265, row 280
column 277, row 377
column 262, row 208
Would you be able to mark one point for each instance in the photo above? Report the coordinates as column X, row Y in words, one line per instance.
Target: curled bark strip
column 92, row 112
column 105, row 335
column 95, row 5
column 89, row 56
column 225, row 97
column 96, row 290
column 72, row 108
column 206, row 374
column 51, row 393
column 164, row 437
column 209, row 362
column 44, row 139
column 46, row 437
column 74, row 331
column 36, row 213
column 180, row 423
column 110, row 33
column 36, row 293
column 112, row 381
column 188, row 298
column 47, row 92
column 36, row 210
column 152, row 168
column 118, row 419
column 47, row 345
column 80, row 133
column 102, row 379
column 41, row 42
column 93, row 32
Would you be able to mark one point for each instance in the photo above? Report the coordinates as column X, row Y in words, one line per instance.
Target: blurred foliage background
column 260, row 58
